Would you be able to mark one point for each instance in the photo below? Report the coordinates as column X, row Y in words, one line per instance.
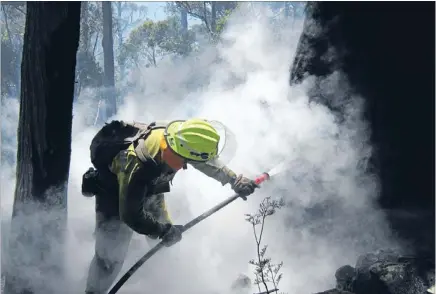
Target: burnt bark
column 386, row 50
column 109, row 68
column 51, row 38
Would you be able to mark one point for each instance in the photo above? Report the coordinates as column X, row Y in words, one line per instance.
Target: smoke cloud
column 244, row 83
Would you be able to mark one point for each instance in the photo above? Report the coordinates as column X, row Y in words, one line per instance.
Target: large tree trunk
column 109, row 71
column 39, row 215
column 386, row 51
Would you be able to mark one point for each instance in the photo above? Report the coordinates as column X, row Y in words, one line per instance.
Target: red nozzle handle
column 262, row 178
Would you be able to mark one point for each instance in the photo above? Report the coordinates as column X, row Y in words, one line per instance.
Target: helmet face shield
column 227, row 145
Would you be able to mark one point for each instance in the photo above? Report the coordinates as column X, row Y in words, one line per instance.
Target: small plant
column 266, row 272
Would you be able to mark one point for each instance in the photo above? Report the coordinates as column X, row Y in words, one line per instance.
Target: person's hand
column 172, row 235
column 244, row 186
column 90, row 185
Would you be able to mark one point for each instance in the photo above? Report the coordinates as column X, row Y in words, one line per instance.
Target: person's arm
column 134, row 179
column 216, row 170
column 220, row 172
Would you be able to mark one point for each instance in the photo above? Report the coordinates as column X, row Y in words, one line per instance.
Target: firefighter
column 130, row 192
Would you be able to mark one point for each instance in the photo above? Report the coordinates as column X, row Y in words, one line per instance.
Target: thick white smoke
column 243, row 82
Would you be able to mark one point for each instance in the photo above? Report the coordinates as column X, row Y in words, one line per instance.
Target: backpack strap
column 141, row 151
column 139, row 141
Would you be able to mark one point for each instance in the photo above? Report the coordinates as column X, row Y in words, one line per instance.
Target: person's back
column 130, row 191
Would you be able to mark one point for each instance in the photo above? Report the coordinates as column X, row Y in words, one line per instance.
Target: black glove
column 244, row 186
column 172, row 234
column 90, row 186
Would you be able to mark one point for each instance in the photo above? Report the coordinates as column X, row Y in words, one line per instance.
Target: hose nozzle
column 262, row 178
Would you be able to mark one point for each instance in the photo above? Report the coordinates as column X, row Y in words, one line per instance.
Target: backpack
column 114, row 137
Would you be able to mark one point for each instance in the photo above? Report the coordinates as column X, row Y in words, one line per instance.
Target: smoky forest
column 217, row 147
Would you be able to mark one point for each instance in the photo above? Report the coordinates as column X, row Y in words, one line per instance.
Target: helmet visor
column 227, row 145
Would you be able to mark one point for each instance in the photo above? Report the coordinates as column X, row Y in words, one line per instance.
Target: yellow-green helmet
column 194, row 139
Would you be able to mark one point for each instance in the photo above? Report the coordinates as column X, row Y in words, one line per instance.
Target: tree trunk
column 51, row 39
column 184, row 20
column 286, row 8
column 213, row 17
column 185, row 46
column 12, row 91
column 84, row 46
column 109, row 71
column 122, row 64
column 390, row 63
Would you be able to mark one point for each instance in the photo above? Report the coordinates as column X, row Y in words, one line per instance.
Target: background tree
column 12, row 19
column 152, row 41
column 44, row 145
column 184, row 20
column 210, row 13
column 109, row 92
column 127, row 15
column 89, row 73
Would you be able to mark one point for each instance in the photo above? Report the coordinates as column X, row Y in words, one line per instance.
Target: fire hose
column 260, row 179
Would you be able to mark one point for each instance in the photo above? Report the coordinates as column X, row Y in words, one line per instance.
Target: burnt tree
column 109, row 68
column 39, row 215
column 386, row 50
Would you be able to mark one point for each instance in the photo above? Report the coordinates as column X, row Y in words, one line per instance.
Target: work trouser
column 112, row 239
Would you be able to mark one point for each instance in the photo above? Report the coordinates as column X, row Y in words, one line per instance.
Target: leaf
column 253, row 262
column 262, row 252
column 279, row 278
column 270, row 212
column 278, row 267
